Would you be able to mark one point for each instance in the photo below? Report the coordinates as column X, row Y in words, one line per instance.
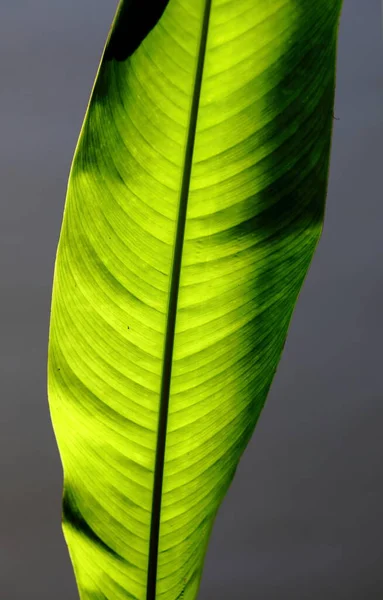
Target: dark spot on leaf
column 134, row 21
column 73, row 517
column 181, row 595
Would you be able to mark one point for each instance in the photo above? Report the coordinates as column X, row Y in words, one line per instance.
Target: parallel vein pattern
column 172, row 313
column 195, row 203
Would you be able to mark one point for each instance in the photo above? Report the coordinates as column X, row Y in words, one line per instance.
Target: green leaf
column 195, row 203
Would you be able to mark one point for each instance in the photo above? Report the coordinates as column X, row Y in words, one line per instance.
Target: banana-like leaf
column 195, row 202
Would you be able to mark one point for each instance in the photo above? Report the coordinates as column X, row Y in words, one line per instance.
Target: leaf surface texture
column 195, row 203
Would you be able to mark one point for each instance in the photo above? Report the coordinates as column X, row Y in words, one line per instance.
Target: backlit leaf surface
column 195, row 203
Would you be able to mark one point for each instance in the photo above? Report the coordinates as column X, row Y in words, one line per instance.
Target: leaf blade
column 252, row 222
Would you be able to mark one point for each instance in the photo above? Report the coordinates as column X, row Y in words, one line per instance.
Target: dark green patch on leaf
column 134, row 21
column 73, row 517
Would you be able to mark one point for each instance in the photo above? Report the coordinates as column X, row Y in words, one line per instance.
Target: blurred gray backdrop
column 303, row 518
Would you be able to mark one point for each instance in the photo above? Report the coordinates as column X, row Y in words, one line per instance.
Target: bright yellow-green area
column 254, row 215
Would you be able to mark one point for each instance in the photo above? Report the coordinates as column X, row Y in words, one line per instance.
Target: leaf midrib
column 172, row 313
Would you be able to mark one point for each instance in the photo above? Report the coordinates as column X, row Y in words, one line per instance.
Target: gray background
column 303, row 518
